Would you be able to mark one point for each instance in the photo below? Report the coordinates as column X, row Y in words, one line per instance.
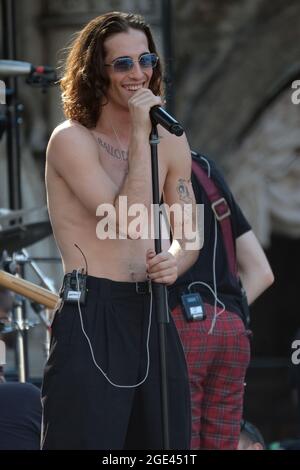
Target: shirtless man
column 101, row 386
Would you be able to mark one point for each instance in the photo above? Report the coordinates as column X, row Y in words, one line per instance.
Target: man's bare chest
column 114, row 161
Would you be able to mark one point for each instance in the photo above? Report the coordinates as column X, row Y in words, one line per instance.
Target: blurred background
column 230, row 69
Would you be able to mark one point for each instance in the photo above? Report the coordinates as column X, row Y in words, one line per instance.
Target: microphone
column 12, row 68
column 159, row 116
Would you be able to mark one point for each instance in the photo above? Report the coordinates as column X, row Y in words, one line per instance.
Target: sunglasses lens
column 148, row 60
column 123, row 64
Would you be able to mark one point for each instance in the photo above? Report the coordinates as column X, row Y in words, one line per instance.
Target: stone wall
column 233, row 59
column 228, row 57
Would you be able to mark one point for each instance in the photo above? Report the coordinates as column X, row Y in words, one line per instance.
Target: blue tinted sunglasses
column 124, row 64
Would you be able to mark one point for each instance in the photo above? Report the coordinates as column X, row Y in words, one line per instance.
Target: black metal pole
column 13, row 108
column 160, row 292
column 167, row 34
column 13, row 149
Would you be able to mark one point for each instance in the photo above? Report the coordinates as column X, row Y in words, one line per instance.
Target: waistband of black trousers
column 107, row 287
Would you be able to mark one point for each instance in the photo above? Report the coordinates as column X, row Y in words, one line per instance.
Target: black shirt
column 228, row 289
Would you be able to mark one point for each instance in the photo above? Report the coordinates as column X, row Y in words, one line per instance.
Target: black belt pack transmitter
column 70, row 291
column 193, row 307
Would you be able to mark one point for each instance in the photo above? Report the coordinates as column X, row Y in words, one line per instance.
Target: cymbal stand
column 20, row 327
column 46, row 315
column 10, row 265
column 48, row 283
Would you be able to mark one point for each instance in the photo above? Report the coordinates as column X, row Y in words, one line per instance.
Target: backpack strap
column 221, row 211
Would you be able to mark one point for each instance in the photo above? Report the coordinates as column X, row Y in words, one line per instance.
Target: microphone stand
column 160, row 291
column 47, row 315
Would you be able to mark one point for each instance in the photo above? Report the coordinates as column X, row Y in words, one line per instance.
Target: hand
column 139, row 106
column 161, row 268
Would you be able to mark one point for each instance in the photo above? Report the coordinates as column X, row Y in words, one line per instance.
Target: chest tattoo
column 116, row 153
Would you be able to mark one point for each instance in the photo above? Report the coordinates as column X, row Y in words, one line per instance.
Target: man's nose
column 137, row 70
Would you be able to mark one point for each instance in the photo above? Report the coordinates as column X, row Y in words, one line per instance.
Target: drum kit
column 15, row 236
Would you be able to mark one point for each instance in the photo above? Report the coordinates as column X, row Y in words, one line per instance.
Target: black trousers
column 81, row 409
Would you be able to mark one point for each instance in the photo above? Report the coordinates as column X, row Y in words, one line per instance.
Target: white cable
column 215, row 293
column 208, row 165
column 214, row 290
column 92, row 351
column 208, row 286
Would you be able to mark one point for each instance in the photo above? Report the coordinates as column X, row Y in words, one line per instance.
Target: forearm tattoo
column 112, row 151
column 183, row 191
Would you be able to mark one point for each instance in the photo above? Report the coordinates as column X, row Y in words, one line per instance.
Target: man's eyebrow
column 129, row 57
column 122, row 57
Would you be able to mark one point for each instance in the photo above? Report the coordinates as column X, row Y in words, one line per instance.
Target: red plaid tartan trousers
column 217, row 364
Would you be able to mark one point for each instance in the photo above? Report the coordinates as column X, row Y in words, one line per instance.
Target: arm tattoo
column 183, row 191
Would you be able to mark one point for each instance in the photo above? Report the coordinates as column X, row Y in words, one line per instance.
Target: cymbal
column 16, row 237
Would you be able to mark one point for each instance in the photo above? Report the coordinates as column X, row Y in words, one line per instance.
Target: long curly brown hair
column 85, row 80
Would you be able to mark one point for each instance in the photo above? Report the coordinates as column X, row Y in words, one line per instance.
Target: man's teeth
column 133, row 87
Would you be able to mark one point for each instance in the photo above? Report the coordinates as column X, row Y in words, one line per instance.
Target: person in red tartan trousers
column 214, row 327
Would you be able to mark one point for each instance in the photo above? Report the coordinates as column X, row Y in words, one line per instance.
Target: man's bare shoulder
column 69, row 130
column 70, row 138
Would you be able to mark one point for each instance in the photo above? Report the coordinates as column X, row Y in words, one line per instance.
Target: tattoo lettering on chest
column 112, row 151
column 183, row 191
